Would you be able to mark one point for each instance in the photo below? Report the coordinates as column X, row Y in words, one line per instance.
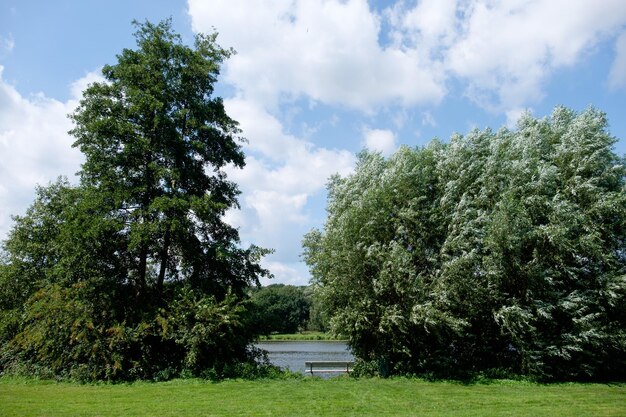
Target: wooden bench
column 328, row 366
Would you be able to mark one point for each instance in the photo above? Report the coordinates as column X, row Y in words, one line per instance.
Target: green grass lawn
column 310, row 397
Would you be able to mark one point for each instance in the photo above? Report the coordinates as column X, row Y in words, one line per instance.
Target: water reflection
column 292, row 355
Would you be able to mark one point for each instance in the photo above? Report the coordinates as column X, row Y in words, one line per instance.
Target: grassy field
column 310, row 397
column 299, row 336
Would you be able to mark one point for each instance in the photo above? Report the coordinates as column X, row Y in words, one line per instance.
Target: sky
column 312, row 84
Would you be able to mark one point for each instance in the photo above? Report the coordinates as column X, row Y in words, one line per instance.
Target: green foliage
column 281, row 308
column 319, row 320
column 213, row 335
column 133, row 273
column 496, row 251
column 307, row 335
column 65, row 333
column 155, row 142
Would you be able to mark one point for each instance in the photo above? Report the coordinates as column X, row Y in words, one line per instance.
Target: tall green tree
column 134, row 273
column 156, row 142
column 495, row 252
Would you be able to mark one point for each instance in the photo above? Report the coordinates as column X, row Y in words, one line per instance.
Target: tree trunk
column 164, row 259
column 143, row 266
column 145, row 202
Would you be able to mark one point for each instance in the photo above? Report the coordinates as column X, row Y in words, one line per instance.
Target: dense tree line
column 281, row 308
column 133, row 273
column 499, row 252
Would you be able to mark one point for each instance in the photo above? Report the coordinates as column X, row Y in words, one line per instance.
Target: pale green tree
column 500, row 252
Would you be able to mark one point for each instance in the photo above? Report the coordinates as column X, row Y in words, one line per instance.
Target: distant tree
column 134, row 273
column 281, row 308
column 496, row 252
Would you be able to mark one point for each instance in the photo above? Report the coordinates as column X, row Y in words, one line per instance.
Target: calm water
column 292, row 355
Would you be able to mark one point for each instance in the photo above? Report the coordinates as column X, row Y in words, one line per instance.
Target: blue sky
column 313, row 83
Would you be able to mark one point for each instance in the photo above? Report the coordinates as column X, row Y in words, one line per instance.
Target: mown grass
column 310, row 397
column 308, row 335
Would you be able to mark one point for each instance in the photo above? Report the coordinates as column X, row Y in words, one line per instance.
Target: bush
column 62, row 335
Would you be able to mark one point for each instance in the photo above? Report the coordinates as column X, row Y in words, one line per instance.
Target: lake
column 292, row 354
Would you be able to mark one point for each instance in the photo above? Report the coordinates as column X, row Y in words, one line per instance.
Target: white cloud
column 428, row 25
column 504, row 52
column 7, row 43
column 617, row 77
column 289, row 273
column 507, row 50
column 428, row 119
column 380, row 140
column 327, row 51
column 34, row 147
column 281, row 175
column 295, row 164
column 513, row 116
column 78, row 86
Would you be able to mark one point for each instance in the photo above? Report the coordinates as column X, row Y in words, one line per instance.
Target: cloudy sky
column 313, row 82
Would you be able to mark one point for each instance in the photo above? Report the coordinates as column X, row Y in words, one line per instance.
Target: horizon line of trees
column 287, row 309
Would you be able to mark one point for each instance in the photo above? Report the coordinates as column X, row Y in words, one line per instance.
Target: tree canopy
column 134, row 273
column 499, row 252
column 155, row 142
